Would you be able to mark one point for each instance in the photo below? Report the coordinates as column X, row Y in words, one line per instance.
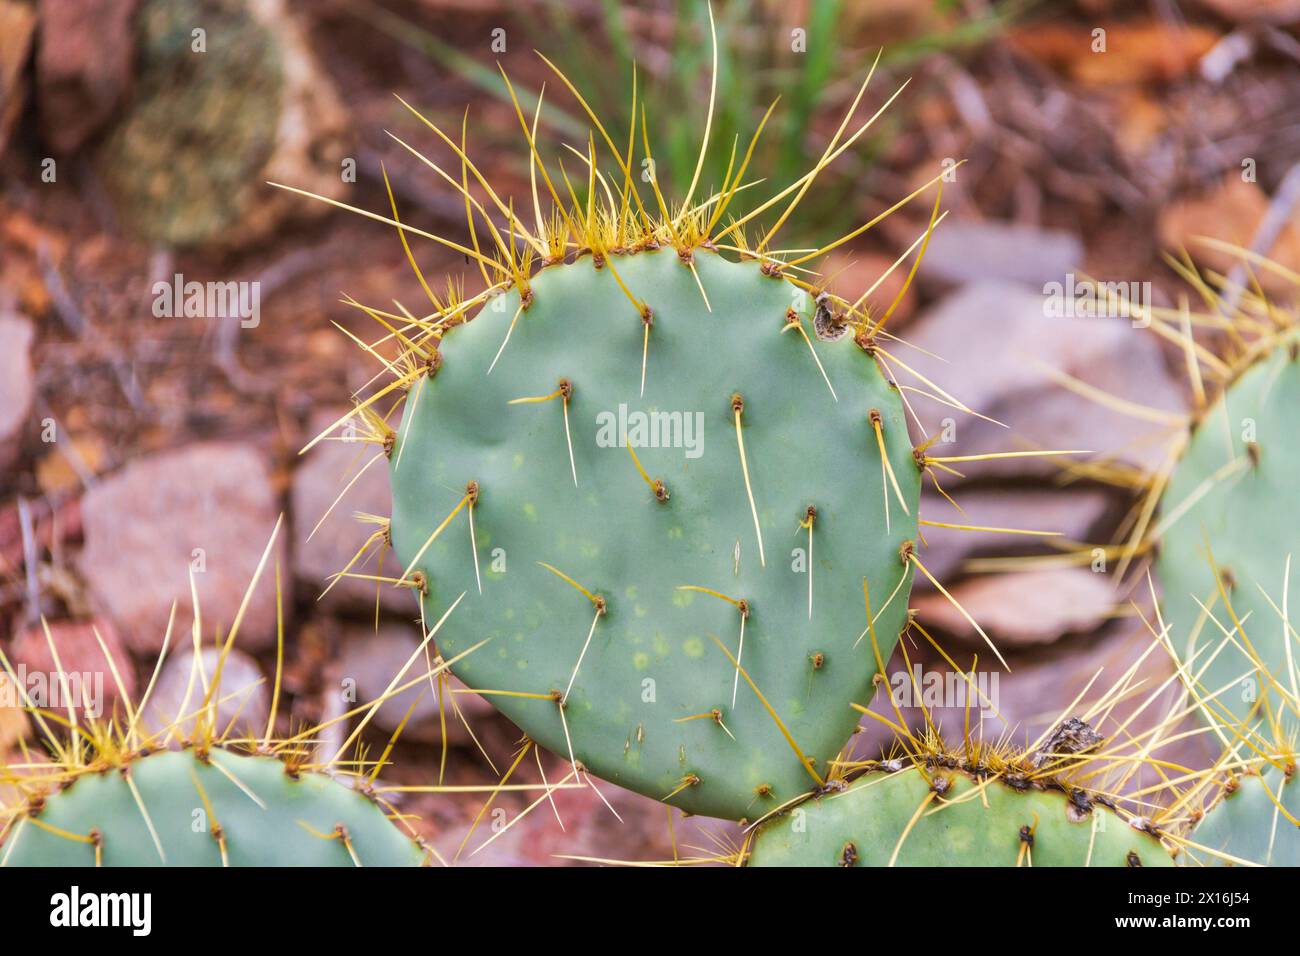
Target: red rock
column 1023, row 607
column 17, row 26
column 370, row 660
column 13, row 718
column 209, row 506
column 1076, row 513
column 83, row 67
column 88, row 674
column 590, row 828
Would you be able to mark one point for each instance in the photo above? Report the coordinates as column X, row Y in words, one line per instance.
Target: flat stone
column 319, row 478
column 964, row 250
column 1002, row 348
column 1076, row 512
column 1022, row 607
column 207, row 506
column 243, row 697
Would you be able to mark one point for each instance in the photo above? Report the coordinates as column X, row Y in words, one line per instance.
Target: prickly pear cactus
column 112, row 790
column 620, row 532
column 947, row 817
column 1232, row 498
column 1254, row 819
column 654, row 484
column 176, row 808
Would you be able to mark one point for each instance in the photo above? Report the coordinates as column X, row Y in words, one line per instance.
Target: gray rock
column 208, row 506
column 1002, row 348
column 16, row 384
column 963, row 251
column 243, row 699
column 317, row 481
column 370, row 660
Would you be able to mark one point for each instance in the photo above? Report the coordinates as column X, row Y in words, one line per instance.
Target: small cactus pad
column 597, row 565
column 946, row 818
column 173, row 808
column 1234, row 494
column 1250, row 821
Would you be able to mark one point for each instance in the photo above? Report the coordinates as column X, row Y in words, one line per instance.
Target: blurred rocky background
column 134, row 447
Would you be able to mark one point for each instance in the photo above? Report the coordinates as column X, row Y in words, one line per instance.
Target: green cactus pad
column 652, row 666
column 1247, row 514
column 1247, row 824
column 262, row 815
column 1002, row 826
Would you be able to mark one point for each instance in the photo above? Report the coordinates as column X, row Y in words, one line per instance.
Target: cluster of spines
column 78, row 747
